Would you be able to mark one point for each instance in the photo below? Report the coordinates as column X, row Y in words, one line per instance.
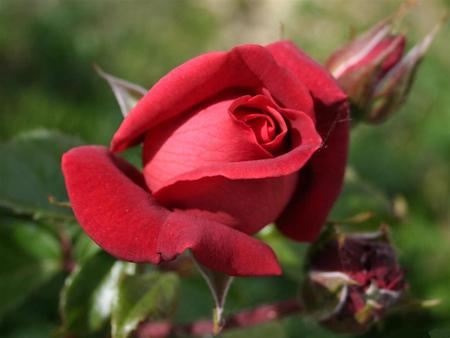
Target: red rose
column 232, row 141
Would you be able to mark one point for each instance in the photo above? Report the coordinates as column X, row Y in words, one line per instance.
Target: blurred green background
column 51, row 99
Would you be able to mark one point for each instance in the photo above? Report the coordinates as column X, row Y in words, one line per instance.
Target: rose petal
column 117, row 214
column 162, row 163
column 321, row 84
column 217, row 246
column 201, row 162
column 200, row 139
column 321, row 180
column 249, row 67
column 259, row 113
column 113, row 207
column 247, row 205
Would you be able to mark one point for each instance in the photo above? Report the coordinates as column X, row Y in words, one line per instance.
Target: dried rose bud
column 374, row 72
column 353, row 280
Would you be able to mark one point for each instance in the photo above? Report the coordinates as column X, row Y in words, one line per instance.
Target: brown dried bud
column 352, row 281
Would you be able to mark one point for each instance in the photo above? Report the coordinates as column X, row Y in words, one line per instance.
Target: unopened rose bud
column 391, row 90
column 352, row 281
column 374, row 72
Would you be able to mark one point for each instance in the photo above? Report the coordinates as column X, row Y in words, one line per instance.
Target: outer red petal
column 321, row 84
column 113, row 206
column 246, row 205
column 281, row 165
column 252, row 193
column 217, row 246
column 248, row 67
column 205, row 138
column 321, row 180
column 116, row 213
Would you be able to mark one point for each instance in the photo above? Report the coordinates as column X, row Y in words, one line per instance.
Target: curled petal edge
column 114, row 207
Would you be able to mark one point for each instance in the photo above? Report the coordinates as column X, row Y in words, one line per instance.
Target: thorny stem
column 259, row 315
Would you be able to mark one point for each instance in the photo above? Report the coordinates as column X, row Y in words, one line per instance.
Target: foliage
column 31, row 256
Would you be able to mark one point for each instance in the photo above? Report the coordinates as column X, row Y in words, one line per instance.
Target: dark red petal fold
column 115, row 209
column 249, row 67
column 321, row 179
column 321, row 84
column 217, row 246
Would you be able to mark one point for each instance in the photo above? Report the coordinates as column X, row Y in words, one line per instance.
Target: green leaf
column 84, row 248
column 88, row 294
column 151, row 295
column 30, row 256
column 440, row 333
column 31, row 172
column 41, row 330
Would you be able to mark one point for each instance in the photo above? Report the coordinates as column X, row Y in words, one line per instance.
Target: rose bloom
column 231, row 141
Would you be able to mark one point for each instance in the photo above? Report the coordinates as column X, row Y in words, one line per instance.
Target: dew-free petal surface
column 249, row 67
column 113, row 206
column 321, row 179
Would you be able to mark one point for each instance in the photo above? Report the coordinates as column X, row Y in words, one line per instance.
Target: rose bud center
column 259, row 113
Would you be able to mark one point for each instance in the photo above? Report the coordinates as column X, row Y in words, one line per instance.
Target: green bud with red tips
column 374, row 71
